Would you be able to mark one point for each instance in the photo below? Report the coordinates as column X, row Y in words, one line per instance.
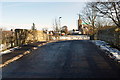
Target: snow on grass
column 111, row 52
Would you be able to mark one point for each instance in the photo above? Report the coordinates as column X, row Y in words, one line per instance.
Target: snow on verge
column 111, row 52
column 8, row 51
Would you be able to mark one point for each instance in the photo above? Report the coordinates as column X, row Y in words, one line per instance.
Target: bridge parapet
column 73, row 37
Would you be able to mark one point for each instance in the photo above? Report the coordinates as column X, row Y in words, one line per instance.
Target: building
column 87, row 29
column 80, row 25
column 84, row 28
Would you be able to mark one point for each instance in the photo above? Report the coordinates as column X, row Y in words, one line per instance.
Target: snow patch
column 111, row 52
column 8, row 51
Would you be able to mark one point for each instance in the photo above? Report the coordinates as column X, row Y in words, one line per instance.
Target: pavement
column 63, row 59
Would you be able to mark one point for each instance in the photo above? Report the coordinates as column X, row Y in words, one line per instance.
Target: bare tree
column 56, row 25
column 56, row 29
column 89, row 15
column 101, row 22
column 109, row 10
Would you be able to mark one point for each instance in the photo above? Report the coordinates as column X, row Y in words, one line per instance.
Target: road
column 63, row 59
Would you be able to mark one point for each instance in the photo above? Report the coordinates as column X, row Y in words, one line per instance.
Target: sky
column 23, row 14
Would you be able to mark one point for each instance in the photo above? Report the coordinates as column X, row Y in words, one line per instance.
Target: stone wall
column 111, row 35
column 19, row 37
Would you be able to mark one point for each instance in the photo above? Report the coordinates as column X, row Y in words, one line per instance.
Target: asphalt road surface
column 63, row 59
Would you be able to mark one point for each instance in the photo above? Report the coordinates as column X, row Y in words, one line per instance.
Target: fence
column 19, row 37
column 111, row 35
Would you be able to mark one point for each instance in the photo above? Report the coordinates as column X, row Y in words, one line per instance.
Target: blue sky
column 23, row 14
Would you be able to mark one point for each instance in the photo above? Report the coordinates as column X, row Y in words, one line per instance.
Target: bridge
column 63, row 59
